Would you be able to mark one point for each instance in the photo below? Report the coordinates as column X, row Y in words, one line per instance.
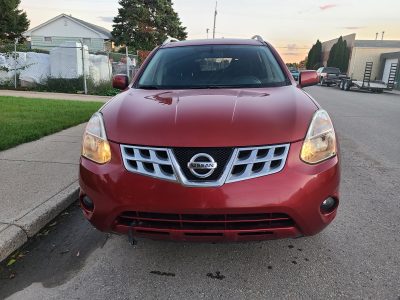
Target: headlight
column 95, row 145
column 320, row 142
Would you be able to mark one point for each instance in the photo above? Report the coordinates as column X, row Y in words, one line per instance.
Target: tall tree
column 13, row 21
column 144, row 24
column 314, row 58
column 339, row 55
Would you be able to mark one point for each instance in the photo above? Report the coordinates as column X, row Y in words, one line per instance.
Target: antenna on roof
column 376, row 36
column 258, row 38
column 383, row 34
column 170, row 40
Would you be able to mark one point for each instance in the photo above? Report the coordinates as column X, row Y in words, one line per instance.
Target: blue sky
column 290, row 25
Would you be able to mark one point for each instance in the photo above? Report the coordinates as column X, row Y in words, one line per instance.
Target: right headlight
column 320, row 141
column 95, row 145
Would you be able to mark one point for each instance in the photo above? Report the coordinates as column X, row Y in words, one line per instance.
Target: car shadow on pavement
column 70, row 248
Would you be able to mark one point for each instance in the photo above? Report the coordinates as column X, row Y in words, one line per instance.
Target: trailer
column 374, row 86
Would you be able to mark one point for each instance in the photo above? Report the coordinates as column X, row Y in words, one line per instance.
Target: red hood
column 209, row 118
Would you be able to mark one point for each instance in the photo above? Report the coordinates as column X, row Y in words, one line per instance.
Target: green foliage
column 13, row 21
column 144, row 24
column 76, row 86
column 314, row 58
column 69, row 86
column 339, row 55
column 9, row 47
column 23, row 120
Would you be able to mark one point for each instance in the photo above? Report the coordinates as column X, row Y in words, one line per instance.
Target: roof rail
column 170, row 40
column 258, row 38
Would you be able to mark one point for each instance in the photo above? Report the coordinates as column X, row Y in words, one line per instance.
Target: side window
column 48, row 39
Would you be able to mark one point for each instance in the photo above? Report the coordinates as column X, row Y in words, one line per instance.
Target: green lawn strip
column 24, row 119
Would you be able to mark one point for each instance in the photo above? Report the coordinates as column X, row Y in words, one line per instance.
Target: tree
column 314, row 58
column 339, row 55
column 144, row 24
column 13, row 21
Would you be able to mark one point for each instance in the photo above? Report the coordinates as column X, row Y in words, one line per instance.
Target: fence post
column 83, row 68
column 127, row 65
column 15, row 62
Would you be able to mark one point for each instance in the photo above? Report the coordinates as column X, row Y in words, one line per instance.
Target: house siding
column 37, row 42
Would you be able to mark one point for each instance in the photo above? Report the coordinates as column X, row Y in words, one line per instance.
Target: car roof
column 213, row 42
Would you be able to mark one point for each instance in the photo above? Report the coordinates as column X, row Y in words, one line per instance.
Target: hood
column 209, row 118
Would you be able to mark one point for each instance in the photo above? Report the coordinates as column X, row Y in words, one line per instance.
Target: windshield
column 212, row 66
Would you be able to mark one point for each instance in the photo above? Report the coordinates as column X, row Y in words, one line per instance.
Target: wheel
column 347, row 85
column 379, row 91
column 322, row 81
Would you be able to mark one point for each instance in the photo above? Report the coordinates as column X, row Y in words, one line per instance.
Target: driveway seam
column 40, row 161
column 63, row 189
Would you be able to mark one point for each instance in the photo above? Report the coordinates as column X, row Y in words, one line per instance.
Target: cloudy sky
column 290, row 25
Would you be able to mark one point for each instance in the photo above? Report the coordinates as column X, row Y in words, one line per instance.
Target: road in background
column 357, row 256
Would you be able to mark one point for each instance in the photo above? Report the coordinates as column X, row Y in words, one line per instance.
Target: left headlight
column 95, row 145
column 320, row 142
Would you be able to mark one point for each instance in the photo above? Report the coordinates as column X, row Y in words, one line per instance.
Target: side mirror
column 308, row 78
column 120, row 82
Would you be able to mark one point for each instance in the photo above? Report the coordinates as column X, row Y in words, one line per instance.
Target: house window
column 87, row 41
column 48, row 39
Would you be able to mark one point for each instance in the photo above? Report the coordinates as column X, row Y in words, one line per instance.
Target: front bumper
column 294, row 194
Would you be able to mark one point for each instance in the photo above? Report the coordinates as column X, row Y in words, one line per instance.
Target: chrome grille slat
column 249, row 162
column 140, row 160
column 245, row 163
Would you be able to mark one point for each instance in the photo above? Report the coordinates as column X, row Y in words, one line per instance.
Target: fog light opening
column 87, row 203
column 328, row 205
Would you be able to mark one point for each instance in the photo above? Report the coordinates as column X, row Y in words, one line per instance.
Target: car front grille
column 232, row 164
column 220, row 155
column 146, row 220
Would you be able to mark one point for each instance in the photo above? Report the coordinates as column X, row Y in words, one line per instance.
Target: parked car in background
column 295, row 73
column 328, row 75
column 212, row 141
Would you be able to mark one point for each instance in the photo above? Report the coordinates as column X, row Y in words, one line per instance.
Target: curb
column 16, row 234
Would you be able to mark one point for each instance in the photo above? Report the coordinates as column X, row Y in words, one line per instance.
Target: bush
column 76, row 86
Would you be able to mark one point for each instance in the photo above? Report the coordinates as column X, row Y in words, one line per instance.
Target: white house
column 65, row 28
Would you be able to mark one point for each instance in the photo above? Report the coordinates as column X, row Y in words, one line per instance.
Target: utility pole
column 215, row 18
column 15, row 62
column 383, row 34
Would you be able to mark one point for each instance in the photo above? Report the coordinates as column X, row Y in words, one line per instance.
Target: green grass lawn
column 23, row 120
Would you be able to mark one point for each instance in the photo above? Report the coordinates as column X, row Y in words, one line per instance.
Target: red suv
column 212, row 141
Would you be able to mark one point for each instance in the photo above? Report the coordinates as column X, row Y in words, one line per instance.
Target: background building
column 64, row 28
column 362, row 51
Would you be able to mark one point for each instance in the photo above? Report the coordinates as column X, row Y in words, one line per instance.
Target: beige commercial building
column 362, row 51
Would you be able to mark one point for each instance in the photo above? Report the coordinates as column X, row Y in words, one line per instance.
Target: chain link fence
column 69, row 68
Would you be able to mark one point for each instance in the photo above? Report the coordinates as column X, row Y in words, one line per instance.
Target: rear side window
column 213, row 66
column 332, row 70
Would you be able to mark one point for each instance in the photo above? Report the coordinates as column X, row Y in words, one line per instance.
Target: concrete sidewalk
column 38, row 180
column 54, row 96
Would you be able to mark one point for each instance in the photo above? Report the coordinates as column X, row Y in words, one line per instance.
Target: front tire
column 341, row 85
column 347, row 85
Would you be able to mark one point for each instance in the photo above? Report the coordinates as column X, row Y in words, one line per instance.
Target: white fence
column 67, row 61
